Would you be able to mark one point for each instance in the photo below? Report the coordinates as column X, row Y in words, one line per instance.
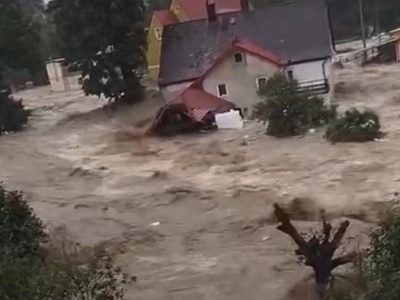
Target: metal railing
column 319, row 86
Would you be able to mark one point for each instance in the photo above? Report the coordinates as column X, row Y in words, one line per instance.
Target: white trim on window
column 264, row 78
column 219, row 91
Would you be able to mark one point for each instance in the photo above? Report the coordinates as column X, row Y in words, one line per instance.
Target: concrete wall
column 240, row 79
column 172, row 91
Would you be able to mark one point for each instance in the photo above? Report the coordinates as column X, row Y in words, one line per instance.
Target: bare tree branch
column 345, row 259
column 334, row 244
column 317, row 251
column 326, row 228
column 288, row 228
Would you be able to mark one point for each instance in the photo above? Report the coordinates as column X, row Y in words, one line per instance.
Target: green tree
column 287, row 112
column 19, row 39
column 108, row 40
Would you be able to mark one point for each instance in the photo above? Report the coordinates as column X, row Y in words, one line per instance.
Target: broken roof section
column 194, row 98
column 165, row 17
column 196, row 9
column 296, row 32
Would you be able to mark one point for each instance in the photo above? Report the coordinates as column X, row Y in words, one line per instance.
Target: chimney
column 244, row 5
column 211, row 11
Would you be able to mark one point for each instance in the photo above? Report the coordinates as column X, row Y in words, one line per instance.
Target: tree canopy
column 108, row 40
column 20, row 40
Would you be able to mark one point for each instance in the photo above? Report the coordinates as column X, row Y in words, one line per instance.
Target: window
column 261, row 82
column 222, row 90
column 290, row 75
column 158, row 33
column 238, row 57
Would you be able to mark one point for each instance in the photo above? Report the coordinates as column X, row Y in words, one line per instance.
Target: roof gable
column 296, row 32
column 245, row 46
column 196, row 9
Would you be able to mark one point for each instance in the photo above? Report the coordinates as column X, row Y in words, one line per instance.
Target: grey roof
column 296, row 32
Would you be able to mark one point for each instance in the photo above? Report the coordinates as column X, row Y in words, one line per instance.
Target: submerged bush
column 287, row 112
column 354, row 126
column 13, row 115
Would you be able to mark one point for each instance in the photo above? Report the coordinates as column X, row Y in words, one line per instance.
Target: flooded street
column 191, row 217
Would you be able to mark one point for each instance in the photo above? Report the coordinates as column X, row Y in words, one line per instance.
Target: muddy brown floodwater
column 191, row 216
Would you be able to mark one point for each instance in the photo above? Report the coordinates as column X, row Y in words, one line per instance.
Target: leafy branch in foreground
column 21, row 232
column 383, row 261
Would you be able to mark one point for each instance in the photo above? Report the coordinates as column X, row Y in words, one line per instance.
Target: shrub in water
column 13, row 115
column 354, row 126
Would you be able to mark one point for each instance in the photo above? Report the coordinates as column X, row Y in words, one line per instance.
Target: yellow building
column 180, row 11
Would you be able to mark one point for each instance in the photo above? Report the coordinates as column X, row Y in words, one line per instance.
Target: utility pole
column 362, row 24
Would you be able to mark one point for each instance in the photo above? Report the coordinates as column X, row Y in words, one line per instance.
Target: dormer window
column 238, row 57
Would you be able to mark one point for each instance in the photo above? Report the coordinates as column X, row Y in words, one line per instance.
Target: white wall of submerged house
column 241, row 77
column 309, row 72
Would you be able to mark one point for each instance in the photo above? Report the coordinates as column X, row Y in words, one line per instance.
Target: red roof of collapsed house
column 165, row 17
column 199, row 99
column 196, row 104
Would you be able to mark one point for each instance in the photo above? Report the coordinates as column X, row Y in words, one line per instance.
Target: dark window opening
column 222, row 90
column 261, row 82
column 238, row 57
column 290, row 75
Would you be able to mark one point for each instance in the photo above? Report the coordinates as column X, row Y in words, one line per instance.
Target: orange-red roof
column 196, row 9
column 254, row 49
column 165, row 17
column 199, row 99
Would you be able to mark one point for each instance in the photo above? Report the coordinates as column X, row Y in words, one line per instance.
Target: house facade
column 229, row 58
column 180, row 11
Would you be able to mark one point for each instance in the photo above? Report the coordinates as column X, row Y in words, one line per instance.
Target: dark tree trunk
column 317, row 251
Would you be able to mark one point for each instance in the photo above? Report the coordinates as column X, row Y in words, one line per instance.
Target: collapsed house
column 193, row 110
